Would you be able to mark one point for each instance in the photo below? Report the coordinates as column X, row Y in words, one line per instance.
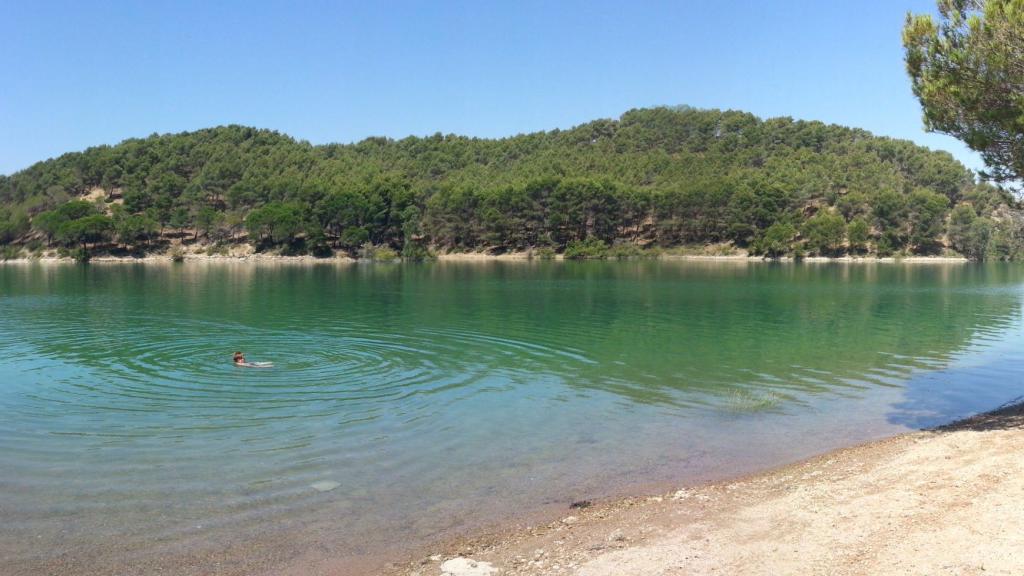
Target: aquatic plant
column 753, row 400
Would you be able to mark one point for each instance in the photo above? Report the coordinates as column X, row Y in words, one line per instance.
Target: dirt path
column 949, row 501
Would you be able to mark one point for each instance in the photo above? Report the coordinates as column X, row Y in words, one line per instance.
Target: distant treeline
column 658, row 177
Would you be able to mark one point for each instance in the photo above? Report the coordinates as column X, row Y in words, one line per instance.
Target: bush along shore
column 652, row 181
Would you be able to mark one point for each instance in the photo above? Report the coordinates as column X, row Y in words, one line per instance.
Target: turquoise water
column 441, row 398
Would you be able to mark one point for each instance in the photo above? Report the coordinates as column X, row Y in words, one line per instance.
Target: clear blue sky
column 78, row 74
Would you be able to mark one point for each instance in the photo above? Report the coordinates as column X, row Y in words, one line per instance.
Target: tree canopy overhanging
column 967, row 70
column 658, row 177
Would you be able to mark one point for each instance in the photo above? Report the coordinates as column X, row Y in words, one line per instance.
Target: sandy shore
column 946, row 501
column 163, row 259
column 460, row 257
column 478, row 256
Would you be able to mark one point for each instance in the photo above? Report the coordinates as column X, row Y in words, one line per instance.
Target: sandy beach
column 252, row 256
column 944, row 501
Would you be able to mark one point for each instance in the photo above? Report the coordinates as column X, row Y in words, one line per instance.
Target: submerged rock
column 324, row 485
column 467, row 567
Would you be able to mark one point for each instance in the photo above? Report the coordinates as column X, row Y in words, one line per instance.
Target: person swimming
column 239, row 360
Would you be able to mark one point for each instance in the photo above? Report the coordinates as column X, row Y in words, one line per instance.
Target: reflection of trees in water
column 682, row 333
column 805, row 329
column 652, row 332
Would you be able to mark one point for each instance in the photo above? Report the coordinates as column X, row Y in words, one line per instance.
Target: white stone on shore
column 324, row 485
column 467, row 567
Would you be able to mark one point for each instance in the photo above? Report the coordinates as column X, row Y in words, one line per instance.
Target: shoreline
column 258, row 257
column 922, row 502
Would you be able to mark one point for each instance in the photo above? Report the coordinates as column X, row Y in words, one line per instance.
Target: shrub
column 978, row 242
column 625, row 250
column 721, row 249
column 378, row 253
column 10, row 252
column 177, row 254
column 777, row 240
column 589, row 249
column 352, row 237
column 544, row 253
column 886, row 245
column 857, row 233
column 385, row 253
column 824, row 232
column 321, row 250
column 416, row 251
column 80, row 255
column 293, row 248
column 217, row 250
column 959, row 228
column 316, row 243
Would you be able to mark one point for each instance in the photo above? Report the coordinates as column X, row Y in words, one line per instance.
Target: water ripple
column 424, row 392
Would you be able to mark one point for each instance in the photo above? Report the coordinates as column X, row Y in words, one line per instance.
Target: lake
column 413, row 402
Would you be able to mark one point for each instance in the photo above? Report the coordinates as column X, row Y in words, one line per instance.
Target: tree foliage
column 858, row 233
column 653, row 177
column 777, row 240
column 968, row 72
column 825, row 232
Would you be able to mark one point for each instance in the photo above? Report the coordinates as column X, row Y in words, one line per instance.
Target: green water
column 438, row 398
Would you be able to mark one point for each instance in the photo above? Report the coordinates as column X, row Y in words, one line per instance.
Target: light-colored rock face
column 467, row 567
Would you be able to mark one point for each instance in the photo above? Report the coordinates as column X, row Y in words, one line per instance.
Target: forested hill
column 660, row 177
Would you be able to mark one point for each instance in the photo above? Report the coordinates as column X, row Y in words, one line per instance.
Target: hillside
column 661, row 177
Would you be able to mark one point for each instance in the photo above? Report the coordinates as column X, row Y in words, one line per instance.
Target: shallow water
column 414, row 402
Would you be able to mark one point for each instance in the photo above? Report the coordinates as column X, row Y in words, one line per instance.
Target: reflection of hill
column 651, row 332
column 691, row 331
column 684, row 333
